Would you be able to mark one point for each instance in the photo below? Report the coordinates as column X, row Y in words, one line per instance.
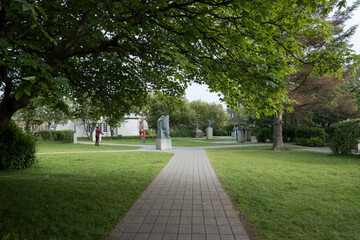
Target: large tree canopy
column 115, row 52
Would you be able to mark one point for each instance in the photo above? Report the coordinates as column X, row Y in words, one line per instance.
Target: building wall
column 130, row 127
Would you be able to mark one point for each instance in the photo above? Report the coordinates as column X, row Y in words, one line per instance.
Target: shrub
column 330, row 132
column 67, row 136
column 181, row 132
column 220, row 132
column 311, row 142
column 43, row 135
column 17, row 149
column 264, row 135
column 313, row 136
column 345, row 137
column 289, row 133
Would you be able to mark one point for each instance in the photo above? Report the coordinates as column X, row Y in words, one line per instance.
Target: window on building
column 104, row 127
column 88, row 129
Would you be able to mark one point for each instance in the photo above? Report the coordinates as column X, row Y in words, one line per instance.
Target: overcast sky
column 201, row 92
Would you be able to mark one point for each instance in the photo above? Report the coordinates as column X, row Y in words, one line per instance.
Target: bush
column 345, row 137
column 67, row 136
column 311, row 142
column 43, row 135
column 330, row 132
column 181, row 132
column 289, row 133
column 313, row 136
column 264, row 135
column 17, row 149
column 220, row 132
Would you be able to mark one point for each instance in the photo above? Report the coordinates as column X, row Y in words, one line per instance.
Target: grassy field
column 293, row 194
column 74, row 196
column 176, row 141
column 56, row 146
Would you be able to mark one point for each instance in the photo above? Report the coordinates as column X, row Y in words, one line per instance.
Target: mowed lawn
column 293, row 194
column 176, row 141
column 75, row 195
column 55, row 146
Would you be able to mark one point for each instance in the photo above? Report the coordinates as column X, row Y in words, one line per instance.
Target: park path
column 184, row 202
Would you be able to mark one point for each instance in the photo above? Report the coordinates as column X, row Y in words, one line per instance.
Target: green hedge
column 66, row 136
column 220, row 131
column 289, row 133
column 330, row 132
column 312, row 136
column 264, row 135
column 17, row 149
column 43, row 135
column 345, row 137
column 181, row 132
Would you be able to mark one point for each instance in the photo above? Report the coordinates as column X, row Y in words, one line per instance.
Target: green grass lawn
column 56, row 146
column 176, row 141
column 293, row 194
column 74, row 196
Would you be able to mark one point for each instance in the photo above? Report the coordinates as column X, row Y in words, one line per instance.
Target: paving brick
column 198, row 229
column 185, row 228
column 211, row 229
column 171, row 228
column 141, row 236
column 184, row 202
column 127, row 236
column 146, row 227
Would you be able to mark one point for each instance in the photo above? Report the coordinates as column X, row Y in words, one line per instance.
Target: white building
column 131, row 126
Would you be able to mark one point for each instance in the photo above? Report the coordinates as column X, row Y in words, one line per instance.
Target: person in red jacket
column 143, row 135
column 97, row 135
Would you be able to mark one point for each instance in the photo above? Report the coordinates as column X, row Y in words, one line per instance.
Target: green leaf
column 38, row 102
column 41, row 11
column 61, row 81
column 32, row 79
column 27, row 6
column 23, row 88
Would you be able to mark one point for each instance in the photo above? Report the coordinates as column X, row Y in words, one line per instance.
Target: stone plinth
column 248, row 135
column 197, row 133
column 209, row 133
column 241, row 136
column 163, row 144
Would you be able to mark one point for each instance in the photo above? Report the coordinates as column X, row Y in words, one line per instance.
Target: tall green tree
column 177, row 109
column 306, row 76
column 208, row 111
column 115, row 52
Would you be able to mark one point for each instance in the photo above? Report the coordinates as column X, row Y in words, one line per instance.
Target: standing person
column 143, row 135
column 97, row 135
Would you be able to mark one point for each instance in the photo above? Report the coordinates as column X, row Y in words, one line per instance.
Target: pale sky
column 201, row 92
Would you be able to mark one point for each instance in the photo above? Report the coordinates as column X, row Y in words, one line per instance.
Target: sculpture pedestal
column 241, row 136
column 209, row 133
column 196, row 133
column 163, row 144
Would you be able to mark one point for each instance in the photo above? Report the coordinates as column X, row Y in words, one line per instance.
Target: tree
column 30, row 118
column 322, row 100
column 115, row 52
column 177, row 109
column 309, row 89
column 55, row 114
column 211, row 111
column 88, row 115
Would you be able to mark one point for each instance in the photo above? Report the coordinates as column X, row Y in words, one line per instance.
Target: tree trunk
column 278, row 143
column 8, row 106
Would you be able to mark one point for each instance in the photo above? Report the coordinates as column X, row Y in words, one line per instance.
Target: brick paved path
column 185, row 201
